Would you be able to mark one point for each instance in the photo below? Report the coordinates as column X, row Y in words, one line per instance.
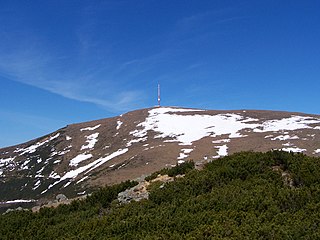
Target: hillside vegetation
column 273, row 195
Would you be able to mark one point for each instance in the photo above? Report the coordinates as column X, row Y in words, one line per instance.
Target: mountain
column 80, row 157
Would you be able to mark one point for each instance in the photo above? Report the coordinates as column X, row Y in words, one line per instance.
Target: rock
column 8, row 210
column 61, row 197
column 140, row 192
column 141, row 178
column 36, row 209
column 136, row 193
column 15, row 209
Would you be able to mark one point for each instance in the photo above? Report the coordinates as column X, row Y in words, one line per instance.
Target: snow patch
column 291, row 123
column 78, row 159
column 185, row 153
column 91, row 141
column 82, row 179
column 221, row 141
column 36, row 185
column 6, row 161
column 34, row 147
column 136, row 141
column 162, row 110
column 90, row 128
column 54, row 175
column 63, row 152
column 268, row 136
column 288, row 144
column 54, row 137
column 122, row 166
column 19, row 201
column 293, row 149
column 53, row 153
column 67, row 184
column 103, row 160
column 187, row 150
column 138, row 133
column 38, row 173
column 237, row 135
column 284, row 138
column 222, row 151
column 119, row 123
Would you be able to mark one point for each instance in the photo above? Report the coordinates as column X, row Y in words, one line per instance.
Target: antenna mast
column 159, row 99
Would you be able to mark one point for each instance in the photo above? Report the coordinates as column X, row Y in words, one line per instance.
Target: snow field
column 186, row 129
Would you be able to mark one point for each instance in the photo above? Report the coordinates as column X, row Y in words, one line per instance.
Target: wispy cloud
column 78, row 89
column 80, row 80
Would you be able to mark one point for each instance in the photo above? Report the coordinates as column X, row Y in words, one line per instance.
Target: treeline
column 273, row 195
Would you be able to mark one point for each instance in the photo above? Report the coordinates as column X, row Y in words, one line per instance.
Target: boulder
column 61, row 197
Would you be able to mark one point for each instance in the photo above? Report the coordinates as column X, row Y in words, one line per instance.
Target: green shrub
column 240, row 196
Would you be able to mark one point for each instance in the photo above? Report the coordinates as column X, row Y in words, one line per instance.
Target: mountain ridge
column 173, row 107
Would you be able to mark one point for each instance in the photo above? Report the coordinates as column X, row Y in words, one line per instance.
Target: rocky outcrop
column 136, row 193
column 139, row 192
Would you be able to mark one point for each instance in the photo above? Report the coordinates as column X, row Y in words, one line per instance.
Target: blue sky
column 64, row 62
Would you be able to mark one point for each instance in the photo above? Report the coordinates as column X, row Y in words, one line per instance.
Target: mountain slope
column 82, row 156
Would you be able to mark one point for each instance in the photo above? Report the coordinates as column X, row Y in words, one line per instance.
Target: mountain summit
column 82, row 156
